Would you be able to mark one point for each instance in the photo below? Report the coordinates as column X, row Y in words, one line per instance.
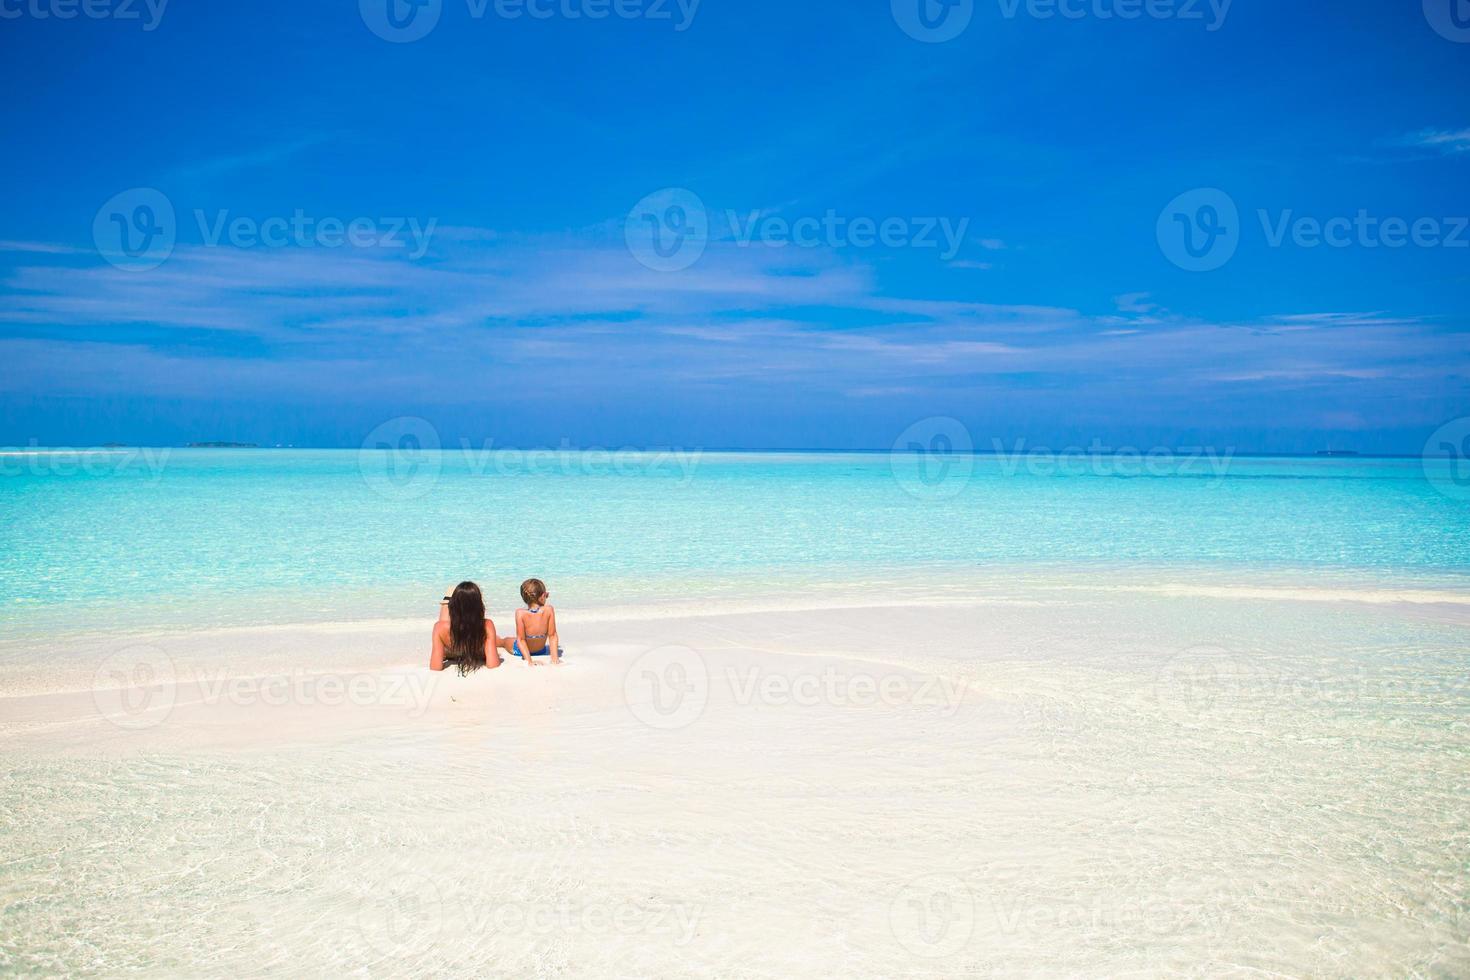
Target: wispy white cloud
column 1374, row 319
column 1134, row 303
column 261, row 157
column 482, row 307
column 42, row 248
column 1444, row 140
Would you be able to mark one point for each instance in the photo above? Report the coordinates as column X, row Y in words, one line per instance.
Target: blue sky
column 1030, row 172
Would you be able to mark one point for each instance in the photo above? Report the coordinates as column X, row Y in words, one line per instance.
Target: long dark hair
column 467, row 627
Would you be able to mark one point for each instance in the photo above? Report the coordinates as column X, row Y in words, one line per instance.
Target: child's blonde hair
column 532, row 589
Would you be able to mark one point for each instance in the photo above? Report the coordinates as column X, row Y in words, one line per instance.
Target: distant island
column 221, row 445
column 1337, row 452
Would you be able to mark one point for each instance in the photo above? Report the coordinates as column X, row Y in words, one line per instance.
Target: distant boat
column 1336, row 452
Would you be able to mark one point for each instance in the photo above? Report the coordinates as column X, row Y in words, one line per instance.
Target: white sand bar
column 1124, row 783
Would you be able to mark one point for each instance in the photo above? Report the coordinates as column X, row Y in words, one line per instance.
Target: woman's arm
column 436, row 650
column 492, row 645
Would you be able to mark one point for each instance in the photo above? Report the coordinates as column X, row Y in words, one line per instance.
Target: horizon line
column 1196, row 450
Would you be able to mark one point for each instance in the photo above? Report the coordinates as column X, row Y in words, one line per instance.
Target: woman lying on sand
column 465, row 637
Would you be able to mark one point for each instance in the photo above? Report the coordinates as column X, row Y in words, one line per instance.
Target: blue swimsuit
column 543, row 652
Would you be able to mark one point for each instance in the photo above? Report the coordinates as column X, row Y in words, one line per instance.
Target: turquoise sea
column 156, row 537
